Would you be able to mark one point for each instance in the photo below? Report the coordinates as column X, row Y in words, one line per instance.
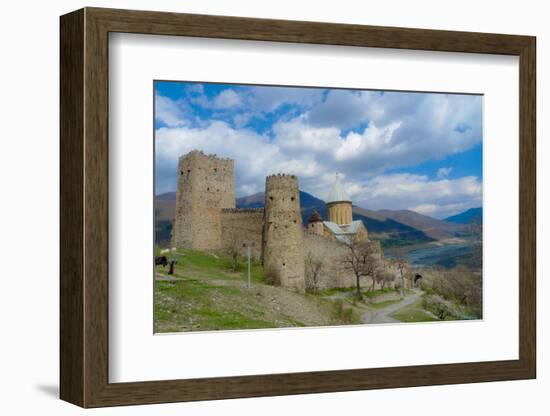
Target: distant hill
column 251, row 201
column 432, row 227
column 392, row 227
column 168, row 196
column 165, row 206
column 467, row 217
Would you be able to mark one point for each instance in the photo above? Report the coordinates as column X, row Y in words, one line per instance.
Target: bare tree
column 402, row 265
column 460, row 286
column 314, row 265
column 377, row 276
column 361, row 259
column 234, row 250
column 386, row 278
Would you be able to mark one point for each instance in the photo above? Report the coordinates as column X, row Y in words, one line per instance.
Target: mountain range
column 472, row 215
column 392, row 227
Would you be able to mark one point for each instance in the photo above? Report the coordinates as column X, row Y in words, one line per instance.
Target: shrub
column 341, row 314
column 458, row 285
column 438, row 307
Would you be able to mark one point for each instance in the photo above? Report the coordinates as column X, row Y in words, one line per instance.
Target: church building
column 340, row 225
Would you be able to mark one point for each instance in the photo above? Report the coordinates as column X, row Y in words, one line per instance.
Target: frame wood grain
column 84, row 207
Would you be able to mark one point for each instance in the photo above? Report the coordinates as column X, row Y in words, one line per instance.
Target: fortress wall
column 206, row 219
column 330, row 253
column 240, row 225
column 206, row 184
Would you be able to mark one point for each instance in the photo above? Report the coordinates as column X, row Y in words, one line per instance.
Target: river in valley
column 446, row 255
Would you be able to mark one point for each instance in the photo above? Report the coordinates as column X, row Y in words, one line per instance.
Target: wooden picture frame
column 84, row 207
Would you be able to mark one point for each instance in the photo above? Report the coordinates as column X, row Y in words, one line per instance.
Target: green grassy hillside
column 205, row 294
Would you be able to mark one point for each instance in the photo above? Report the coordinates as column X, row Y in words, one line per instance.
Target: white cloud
column 297, row 136
column 194, row 88
column 344, row 109
column 415, row 126
column 426, row 209
column 373, row 141
column 368, row 152
column 269, row 99
column 169, row 112
column 241, row 120
column 391, row 130
column 227, row 99
column 444, row 172
column 440, row 198
column 257, row 100
column 255, row 157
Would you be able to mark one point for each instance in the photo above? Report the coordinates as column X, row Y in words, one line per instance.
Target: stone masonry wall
column 283, row 244
column 206, row 184
column 330, row 253
column 333, row 273
column 240, row 225
column 316, row 228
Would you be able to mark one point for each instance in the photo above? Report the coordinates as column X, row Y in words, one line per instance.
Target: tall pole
column 248, row 252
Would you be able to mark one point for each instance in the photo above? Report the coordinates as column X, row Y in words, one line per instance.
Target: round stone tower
column 339, row 204
column 283, row 236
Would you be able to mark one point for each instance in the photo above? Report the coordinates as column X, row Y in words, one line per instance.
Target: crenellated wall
column 240, row 226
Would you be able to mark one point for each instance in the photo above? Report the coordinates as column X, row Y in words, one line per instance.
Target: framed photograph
column 255, row 207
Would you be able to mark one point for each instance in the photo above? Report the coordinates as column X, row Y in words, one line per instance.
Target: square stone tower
column 206, row 185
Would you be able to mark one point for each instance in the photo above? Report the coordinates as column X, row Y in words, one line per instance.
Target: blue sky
column 393, row 150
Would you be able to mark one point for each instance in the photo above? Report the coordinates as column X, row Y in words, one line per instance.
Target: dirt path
column 382, row 316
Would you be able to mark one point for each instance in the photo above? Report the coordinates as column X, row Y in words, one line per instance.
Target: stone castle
column 207, row 219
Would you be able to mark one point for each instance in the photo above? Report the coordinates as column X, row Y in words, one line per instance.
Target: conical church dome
column 338, row 193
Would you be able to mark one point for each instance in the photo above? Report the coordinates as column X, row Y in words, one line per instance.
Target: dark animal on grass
column 161, row 261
